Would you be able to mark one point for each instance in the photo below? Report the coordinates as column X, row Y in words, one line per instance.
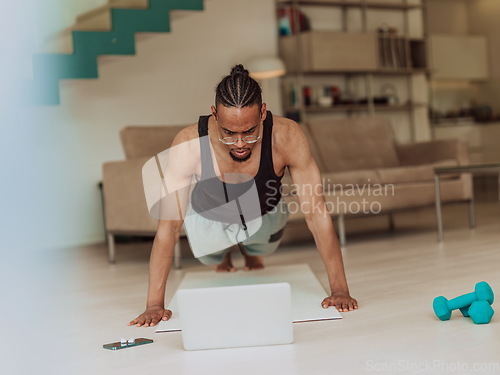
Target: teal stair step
column 59, row 66
column 146, row 21
column 48, row 69
column 154, row 19
column 97, row 43
column 165, row 5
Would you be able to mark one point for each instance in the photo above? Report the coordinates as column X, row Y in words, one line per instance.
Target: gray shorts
column 263, row 242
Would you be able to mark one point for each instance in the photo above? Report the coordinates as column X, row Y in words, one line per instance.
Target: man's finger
column 140, row 322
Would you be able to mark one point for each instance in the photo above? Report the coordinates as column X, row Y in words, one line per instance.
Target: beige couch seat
column 341, row 180
column 125, row 208
column 414, row 173
column 359, row 157
column 393, row 175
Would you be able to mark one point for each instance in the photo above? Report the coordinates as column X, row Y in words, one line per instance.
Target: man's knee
column 213, row 259
column 276, row 237
column 262, row 249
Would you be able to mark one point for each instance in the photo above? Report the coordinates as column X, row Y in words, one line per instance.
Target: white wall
column 171, row 80
column 63, row 13
column 474, row 17
column 448, row 16
column 484, row 16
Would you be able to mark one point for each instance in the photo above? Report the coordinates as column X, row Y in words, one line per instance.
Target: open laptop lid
column 236, row 316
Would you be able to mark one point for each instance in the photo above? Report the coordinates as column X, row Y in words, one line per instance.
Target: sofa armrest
column 125, row 208
column 433, row 151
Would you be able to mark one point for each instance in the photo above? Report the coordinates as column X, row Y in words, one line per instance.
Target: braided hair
column 238, row 89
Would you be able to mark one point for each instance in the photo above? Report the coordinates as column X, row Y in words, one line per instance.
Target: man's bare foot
column 253, row 263
column 226, row 265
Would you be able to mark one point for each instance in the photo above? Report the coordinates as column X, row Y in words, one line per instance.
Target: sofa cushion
column 399, row 196
column 354, row 143
column 431, row 151
column 334, row 181
column 141, row 141
column 341, row 180
column 414, row 173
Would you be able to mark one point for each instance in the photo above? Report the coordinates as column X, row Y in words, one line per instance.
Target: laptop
column 236, row 316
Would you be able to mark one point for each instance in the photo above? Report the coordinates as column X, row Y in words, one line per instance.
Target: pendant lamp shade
column 265, row 67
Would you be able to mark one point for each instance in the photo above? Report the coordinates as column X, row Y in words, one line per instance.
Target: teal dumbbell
column 443, row 307
column 481, row 312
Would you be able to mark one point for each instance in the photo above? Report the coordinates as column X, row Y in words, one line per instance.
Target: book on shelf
column 393, row 52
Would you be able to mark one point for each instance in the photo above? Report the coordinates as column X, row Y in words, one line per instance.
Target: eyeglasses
column 247, row 139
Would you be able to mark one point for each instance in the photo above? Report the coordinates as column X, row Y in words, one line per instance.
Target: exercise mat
column 307, row 292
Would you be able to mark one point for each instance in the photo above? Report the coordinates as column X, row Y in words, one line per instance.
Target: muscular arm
column 307, row 180
column 177, row 170
column 160, row 261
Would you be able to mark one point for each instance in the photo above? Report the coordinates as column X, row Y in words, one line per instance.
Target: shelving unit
column 313, row 53
column 381, row 71
column 362, row 108
column 354, row 4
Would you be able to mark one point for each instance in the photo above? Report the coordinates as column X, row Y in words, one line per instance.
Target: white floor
column 395, row 276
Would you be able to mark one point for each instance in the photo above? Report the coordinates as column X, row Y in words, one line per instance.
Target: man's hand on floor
column 151, row 317
column 342, row 301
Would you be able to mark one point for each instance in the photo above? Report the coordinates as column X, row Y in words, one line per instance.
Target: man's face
column 239, row 123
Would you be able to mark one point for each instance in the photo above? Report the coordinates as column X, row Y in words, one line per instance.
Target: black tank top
column 211, row 193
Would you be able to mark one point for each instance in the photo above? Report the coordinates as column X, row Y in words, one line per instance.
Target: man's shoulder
column 283, row 121
column 186, row 134
column 285, row 129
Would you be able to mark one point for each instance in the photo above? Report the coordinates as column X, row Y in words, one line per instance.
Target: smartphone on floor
column 118, row 345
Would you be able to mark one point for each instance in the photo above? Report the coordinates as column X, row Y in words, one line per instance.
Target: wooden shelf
column 312, row 55
column 415, row 39
column 353, row 4
column 407, row 37
column 402, row 71
column 337, row 108
column 358, row 108
column 376, row 72
column 399, row 107
column 362, row 52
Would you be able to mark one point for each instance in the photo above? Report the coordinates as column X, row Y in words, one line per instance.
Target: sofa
column 125, row 209
column 361, row 164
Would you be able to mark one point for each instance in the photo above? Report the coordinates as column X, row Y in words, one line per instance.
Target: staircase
column 108, row 30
